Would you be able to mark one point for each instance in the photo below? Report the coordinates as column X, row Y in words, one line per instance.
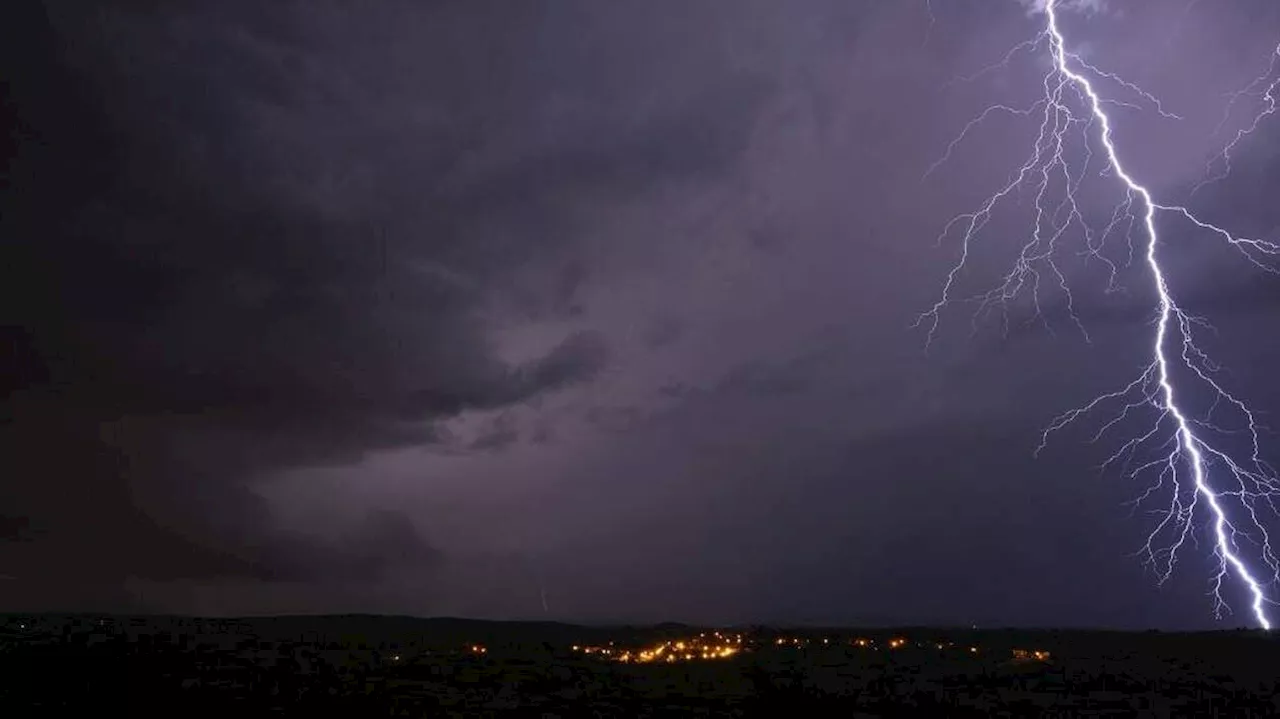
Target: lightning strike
column 1209, row 475
column 1219, row 166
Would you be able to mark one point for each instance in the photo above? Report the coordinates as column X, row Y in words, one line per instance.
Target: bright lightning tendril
column 1237, row 489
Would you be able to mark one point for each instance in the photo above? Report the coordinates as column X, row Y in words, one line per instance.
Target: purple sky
column 447, row 307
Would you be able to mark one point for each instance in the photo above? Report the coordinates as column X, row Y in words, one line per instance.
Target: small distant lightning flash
column 1208, row 462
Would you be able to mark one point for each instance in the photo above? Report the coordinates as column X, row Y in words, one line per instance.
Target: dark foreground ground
column 388, row 666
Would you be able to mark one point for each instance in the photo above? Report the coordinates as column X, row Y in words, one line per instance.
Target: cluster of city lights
column 718, row 645
column 1029, row 655
column 702, row 647
column 905, row 643
column 864, row 643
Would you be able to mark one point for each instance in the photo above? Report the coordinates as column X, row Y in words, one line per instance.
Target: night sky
column 582, row 310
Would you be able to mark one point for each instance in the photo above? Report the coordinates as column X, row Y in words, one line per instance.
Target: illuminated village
column 700, row 648
column 726, row 645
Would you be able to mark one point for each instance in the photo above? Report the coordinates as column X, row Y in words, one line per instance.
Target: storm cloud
column 246, row 238
column 456, row 306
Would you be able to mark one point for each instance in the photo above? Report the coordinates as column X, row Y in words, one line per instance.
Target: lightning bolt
column 1219, row 166
column 1209, row 478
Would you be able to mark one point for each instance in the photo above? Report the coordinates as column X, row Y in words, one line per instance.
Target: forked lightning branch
column 1203, row 461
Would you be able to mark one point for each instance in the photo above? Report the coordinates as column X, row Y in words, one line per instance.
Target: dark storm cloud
column 800, row 374
column 610, row 301
column 251, row 237
column 385, row 540
column 801, row 378
column 499, row 434
column 663, row 331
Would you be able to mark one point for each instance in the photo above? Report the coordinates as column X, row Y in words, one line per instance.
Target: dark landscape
column 56, row 665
